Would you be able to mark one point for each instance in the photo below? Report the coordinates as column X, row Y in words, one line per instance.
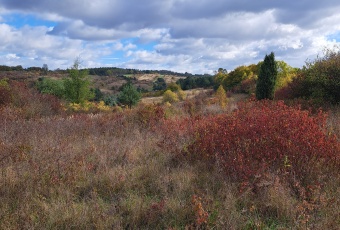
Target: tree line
column 102, row 71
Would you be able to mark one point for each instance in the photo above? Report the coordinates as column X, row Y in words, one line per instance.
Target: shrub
column 51, row 86
column 181, row 95
column 5, row 92
column 173, row 87
column 258, row 138
column 300, row 91
column 110, row 100
column 88, row 107
column 170, row 96
column 150, row 115
column 32, row 103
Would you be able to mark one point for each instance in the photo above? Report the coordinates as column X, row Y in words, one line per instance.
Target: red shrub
column 176, row 133
column 150, row 115
column 32, row 103
column 260, row 137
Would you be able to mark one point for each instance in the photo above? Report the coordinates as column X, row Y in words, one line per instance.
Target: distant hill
column 107, row 79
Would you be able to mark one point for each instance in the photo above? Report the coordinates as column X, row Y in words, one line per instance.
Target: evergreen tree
column 129, row 95
column 267, row 78
column 160, row 84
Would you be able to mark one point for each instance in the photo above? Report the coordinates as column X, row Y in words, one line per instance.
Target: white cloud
column 121, row 46
column 32, row 46
column 11, row 56
column 198, row 36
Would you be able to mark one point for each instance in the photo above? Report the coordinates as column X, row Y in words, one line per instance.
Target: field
column 190, row 165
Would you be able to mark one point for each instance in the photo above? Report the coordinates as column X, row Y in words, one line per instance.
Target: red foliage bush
column 175, row 133
column 32, row 103
column 259, row 137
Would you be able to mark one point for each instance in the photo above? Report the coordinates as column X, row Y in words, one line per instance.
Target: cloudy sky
column 196, row 36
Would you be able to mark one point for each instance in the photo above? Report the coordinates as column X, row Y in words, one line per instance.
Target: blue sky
column 195, row 36
column 18, row 20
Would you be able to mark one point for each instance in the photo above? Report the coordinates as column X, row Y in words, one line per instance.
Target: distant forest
column 105, row 71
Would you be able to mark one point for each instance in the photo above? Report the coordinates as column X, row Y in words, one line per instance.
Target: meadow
column 186, row 165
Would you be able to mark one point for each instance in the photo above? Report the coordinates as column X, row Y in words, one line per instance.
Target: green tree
column 266, row 81
column 77, row 85
column 159, row 84
column 322, row 77
column 285, row 74
column 98, row 95
column 129, row 95
column 236, row 76
column 219, row 77
column 173, row 87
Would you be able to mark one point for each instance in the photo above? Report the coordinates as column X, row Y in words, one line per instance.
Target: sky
column 195, row 36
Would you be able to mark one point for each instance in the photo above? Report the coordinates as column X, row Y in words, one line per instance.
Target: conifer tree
column 77, row 85
column 267, row 78
column 129, row 95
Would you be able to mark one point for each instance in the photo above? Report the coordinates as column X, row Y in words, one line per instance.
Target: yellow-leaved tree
column 221, row 97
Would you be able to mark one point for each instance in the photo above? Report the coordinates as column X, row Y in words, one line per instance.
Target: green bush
column 51, row 86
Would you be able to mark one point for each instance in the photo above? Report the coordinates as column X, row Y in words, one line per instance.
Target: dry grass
column 152, row 100
column 153, row 77
column 108, row 171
